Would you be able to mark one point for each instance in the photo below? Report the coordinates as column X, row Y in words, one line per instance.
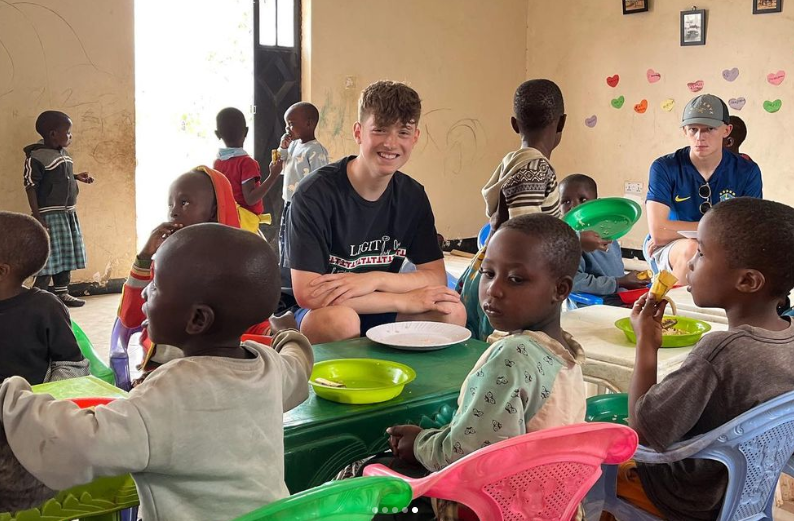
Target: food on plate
column 668, row 327
column 329, row 383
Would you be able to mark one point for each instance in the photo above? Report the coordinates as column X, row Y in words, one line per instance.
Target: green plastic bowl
column 366, row 380
column 610, row 217
column 610, row 408
column 694, row 329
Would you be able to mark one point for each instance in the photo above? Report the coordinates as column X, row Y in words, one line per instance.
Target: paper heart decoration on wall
column 776, row 78
column 772, row 106
column 737, row 103
column 618, row 102
column 591, row 121
column 653, row 76
column 730, row 74
column 668, row 104
column 612, row 81
column 641, row 107
column 695, row 86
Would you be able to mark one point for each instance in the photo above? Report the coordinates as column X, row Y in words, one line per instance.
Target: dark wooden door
column 277, row 85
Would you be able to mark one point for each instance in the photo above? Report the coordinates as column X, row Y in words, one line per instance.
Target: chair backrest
column 96, row 366
column 540, row 475
column 357, row 499
column 485, row 231
column 755, row 447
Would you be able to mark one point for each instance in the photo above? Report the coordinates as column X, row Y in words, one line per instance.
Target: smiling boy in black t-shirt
column 352, row 224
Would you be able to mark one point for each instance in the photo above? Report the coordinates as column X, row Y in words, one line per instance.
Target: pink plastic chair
column 540, row 475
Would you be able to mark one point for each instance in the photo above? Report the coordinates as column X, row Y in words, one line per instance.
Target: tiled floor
column 96, row 320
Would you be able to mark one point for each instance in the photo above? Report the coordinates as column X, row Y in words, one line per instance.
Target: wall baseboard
column 86, row 289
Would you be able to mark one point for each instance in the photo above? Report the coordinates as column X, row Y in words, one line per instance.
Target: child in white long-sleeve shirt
column 203, row 436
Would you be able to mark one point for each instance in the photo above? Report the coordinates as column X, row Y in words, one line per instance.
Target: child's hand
column 84, row 177
column 401, row 441
column 591, row 241
column 285, row 321
column 646, row 319
column 630, row 281
column 276, row 167
column 159, row 234
column 286, row 139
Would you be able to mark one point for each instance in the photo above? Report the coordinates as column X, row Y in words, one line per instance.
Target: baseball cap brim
column 711, row 122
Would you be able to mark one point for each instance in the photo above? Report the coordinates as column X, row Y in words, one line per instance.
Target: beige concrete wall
column 464, row 57
column 75, row 56
column 579, row 44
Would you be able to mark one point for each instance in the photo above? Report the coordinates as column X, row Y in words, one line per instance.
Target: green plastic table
column 321, row 437
column 101, row 500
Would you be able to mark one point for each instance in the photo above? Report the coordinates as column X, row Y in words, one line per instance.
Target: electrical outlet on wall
column 633, row 187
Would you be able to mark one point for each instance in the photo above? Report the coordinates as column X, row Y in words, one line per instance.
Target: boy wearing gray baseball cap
column 684, row 185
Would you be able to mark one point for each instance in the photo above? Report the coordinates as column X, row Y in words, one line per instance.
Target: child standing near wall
column 736, row 137
column 52, row 191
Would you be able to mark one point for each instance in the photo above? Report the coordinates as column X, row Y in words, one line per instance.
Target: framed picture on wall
column 634, row 6
column 693, row 27
column 767, row 6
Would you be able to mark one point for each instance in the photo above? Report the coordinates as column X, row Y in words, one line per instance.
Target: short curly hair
column 758, row 234
column 390, row 102
column 24, row 244
column 50, row 120
column 537, row 104
column 558, row 242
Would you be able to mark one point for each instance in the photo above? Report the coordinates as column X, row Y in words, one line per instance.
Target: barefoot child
column 202, row 436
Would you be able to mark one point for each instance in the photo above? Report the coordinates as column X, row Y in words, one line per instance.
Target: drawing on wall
column 591, row 121
column 618, row 102
column 730, row 74
column 737, row 103
column 776, row 78
column 641, row 107
column 767, row 6
column 635, row 6
column 772, row 106
column 693, row 27
column 653, row 76
column 613, row 81
column 668, row 104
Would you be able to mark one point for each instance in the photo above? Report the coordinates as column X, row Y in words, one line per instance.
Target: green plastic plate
column 366, row 380
column 610, row 217
column 694, row 330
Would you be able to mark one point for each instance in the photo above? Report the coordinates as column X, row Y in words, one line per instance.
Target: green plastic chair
column 101, row 500
column 610, row 408
column 357, row 499
column 97, row 367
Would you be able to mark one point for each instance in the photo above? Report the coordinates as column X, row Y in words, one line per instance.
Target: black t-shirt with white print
column 332, row 229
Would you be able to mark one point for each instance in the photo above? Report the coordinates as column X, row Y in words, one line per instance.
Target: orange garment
column 130, row 312
column 630, row 488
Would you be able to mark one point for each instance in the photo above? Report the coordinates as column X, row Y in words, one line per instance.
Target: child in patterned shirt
column 530, row 378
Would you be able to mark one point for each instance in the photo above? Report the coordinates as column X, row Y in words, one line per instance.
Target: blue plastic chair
column 586, row 299
column 485, row 231
column 755, row 447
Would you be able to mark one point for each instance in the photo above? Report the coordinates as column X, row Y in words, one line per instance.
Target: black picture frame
column 769, row 6
column 693, row 27
column 634, row 6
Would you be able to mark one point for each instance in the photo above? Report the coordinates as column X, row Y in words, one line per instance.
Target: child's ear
column 729, row 142
column 561, row 122
column 750, row 281
column 201, row 320
column 563, row 289
column 245, row 134
column 514, row 124
column 5, row 270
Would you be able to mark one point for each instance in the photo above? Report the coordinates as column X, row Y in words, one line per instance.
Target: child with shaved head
column 203, row 435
